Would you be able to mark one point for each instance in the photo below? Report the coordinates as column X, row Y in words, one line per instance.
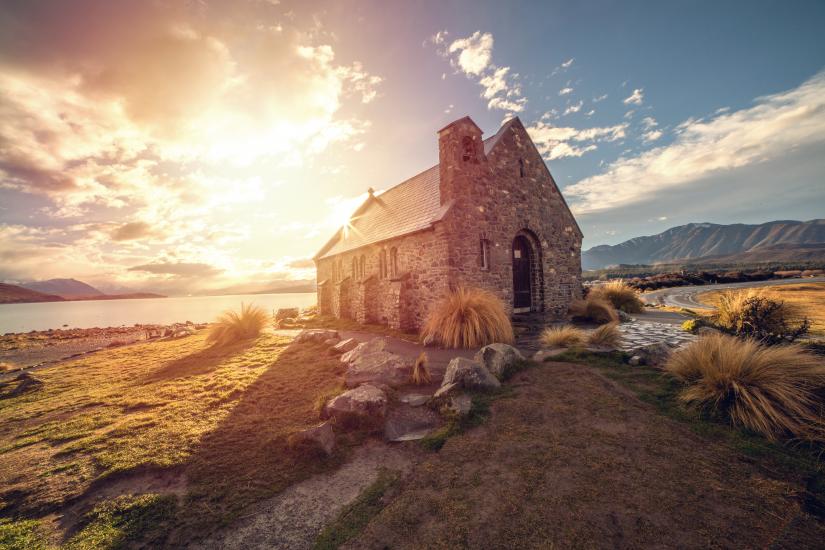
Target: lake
column 113, row 313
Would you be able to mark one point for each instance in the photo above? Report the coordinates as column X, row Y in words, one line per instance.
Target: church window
column 382, row 264
column 521, row 168
column 393, row 262
column 485, row 254
column 467, row 149
column 363, row 266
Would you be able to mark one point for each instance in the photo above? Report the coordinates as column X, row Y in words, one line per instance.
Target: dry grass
column 594, row 309
column 769, row 390
column 468, row 318
column 806, row 298
column 621, row 295
column 605, row 336
column 565, row 336
column 234, row 326
column 420, row 372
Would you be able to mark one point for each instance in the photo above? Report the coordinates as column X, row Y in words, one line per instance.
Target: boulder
column 379, row 368
column 634, row 361
column 415, row 399
column 366, row 348
column 445, row 390
column 345, row 345
column 459, row 404
column 499, row 359
column 470, row 375
column 653, row 354
column 286, row 312
column 409, row 424
column 331, row 342
column 315, row 336
column 320, row 436
column 364, row 405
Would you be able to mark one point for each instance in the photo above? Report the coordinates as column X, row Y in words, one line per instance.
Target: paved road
column 685, row 296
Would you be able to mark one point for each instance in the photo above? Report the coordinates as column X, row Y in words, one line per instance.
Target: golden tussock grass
column 420, row 372
column 594, row 309
column 605, row 336
column 770, row 390
column 468, row 318
column 565, row 336
column 234, row 326
column 621, row 295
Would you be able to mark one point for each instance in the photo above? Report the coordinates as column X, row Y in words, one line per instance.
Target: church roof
column 410, row 206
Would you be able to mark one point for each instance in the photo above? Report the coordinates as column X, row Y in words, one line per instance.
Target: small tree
column 754, row 315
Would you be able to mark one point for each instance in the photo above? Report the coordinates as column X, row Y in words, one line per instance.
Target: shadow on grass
column 200, row 362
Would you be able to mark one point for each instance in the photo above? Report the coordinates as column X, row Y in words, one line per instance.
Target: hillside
column 12, row 294
column 702, row 240
column 67, row 288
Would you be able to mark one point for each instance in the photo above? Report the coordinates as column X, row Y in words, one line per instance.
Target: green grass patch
column 792, row 459
column 352, row 520
column 21, row 535
column 479, row 413
column 125, row 522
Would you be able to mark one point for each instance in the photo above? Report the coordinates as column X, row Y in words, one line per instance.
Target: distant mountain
column 13, row 294
column 67, row 288
column 770, row 241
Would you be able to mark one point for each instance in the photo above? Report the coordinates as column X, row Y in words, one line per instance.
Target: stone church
column 488, row 215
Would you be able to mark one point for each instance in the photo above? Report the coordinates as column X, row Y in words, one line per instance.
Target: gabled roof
column 410, row 206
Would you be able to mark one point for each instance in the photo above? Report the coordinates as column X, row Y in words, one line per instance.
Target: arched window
column 521, row 168
column 382, row 264
column 354, row 267
column 484, row 256
column 340, row 270
column 468, row 149
column 363, row 266
column 393, row 262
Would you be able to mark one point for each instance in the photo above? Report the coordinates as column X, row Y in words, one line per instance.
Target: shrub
column 420, row 372
column 233, row 327
column 565, row 336
column 691, row 325
column 593, row 309
column 770, row 390
column 606, row 336
column 751, row 314
column 621, row 295
column 468, row 318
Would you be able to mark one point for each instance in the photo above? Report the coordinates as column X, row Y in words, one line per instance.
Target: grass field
column 197, row 432
column 809, row 297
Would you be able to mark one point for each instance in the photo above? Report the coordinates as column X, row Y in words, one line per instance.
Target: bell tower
column 460, row 157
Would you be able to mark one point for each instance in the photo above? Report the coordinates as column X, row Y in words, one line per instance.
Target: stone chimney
column 460, row 157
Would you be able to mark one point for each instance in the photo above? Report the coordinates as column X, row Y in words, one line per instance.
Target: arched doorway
column 522, row 276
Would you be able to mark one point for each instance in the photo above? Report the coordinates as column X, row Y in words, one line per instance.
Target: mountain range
column 735, row 243
column 60, row 290
column 67, row 288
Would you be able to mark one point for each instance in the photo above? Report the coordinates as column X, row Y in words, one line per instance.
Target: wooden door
column 521, row 274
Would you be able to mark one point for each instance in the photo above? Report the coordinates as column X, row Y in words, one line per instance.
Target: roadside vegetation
column 593, row 309
column 468, row 318
column 232, row 326
column 621, row 295
column 564, row 336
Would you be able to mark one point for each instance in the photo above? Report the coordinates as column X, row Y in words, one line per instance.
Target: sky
column 194, row 146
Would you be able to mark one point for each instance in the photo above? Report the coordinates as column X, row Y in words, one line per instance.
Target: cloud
column 565, row 91
column 773, row 128
column 574, row 108
column 555, row 142
column 181, row 269
column 636, row 98
column 131, row 231
column 652, row 135
column 495, row 83
column 567, row 63
column 648, row 123
column 599, row 98
column 303, row 263
column 474, row 52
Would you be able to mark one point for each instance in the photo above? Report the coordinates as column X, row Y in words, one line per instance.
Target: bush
column 751, row 314
column 420, row 372
column 593, row 309
column 468, row 318
column 770, row 390
column 233, row 327
column 565, row 336
column 606, row 336
column 621, row 295
column 692, row 325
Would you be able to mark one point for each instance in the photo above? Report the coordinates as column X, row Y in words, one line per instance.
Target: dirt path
column 574, row 460
column 295, row 518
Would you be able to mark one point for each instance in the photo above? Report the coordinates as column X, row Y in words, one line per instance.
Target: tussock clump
column 565, row 336
column 751, row 314
column 606, row 336
column 621, row 295
column 770, row 390
column 233, row 326
column 420, row 372
column 594, row 309
column 468, row 318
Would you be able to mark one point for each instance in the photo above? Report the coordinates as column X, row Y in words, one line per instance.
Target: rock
column 701, row 331
column 470, row 375
column 445, row 390
column 379, row 368
column 415, row 399
column 345, row 345
column 653, row 354
column 635, row 360
column 366, row 348
column 287, row 312
column 460, row 404
column 623, row 317
column 26, row 383
column 499, row 359
column 321, row 436
column 409, row 424
column 331, row 342
column 363, row 406
column 315, row 336
column 544, row 354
